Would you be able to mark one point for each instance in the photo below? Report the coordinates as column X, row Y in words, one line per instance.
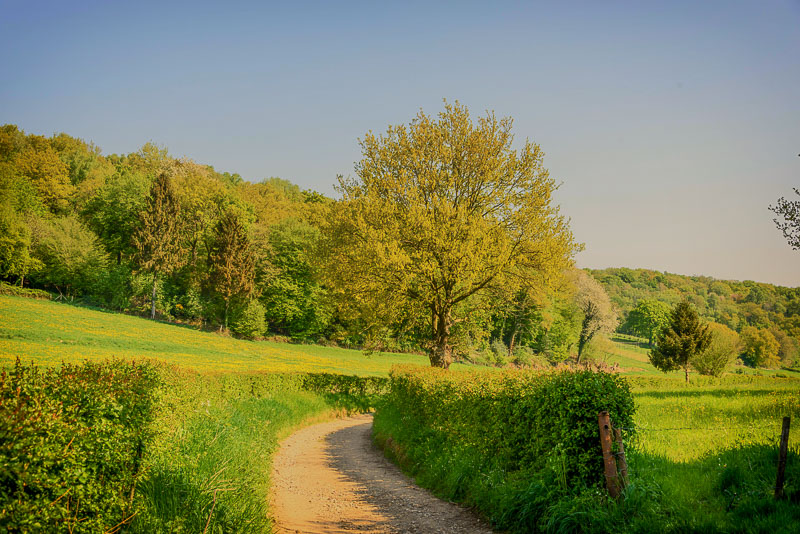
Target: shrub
column 71, row 444
column 250, row 322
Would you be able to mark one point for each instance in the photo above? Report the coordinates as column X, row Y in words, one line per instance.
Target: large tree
column 158, row 242
column 440, row 210
column 680, row 340
column 593, row 303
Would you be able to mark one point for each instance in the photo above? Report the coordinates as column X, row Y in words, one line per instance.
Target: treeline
column 150, row 234
column 765, row 317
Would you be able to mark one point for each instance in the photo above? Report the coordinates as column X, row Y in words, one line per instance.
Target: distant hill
column 732, row 303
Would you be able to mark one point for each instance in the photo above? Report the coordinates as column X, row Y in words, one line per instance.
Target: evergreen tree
column 231, row 262
column 680, row 340
column 158, row 238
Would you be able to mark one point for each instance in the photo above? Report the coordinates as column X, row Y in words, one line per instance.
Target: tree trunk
column 584, row 337
column 153, row 298
column 513, row 338
column 227, row 305
column 440, row 352
column 581, row 344
column 686, row 371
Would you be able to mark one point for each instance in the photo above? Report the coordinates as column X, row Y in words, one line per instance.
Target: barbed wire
column 737, row 428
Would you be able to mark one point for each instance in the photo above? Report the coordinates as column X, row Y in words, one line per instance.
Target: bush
column 71, row 444
column 250, row 321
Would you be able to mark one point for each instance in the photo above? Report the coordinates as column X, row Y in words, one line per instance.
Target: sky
column 671, row 126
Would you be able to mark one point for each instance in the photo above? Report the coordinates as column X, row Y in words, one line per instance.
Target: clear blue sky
column 672, row 125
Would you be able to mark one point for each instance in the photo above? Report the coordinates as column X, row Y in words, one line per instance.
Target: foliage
column 760, row 348
column 647, row 319
column 250, row 322
column 157, row 240
column 789, row 211
column 297, row 305
column 40, row 164
column 15, row 244
column 440, row 210
column 231, row 262
column 593, row 303
column 71, row 259
column 17, row 291
column 720, row 353
column 114, row 212
column 680, row 340
column 71, row 444
column 732, row 303
column 510, row 417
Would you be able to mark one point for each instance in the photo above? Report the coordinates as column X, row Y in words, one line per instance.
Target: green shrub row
column 524, row 420
column 72, row 441
column 17, row 291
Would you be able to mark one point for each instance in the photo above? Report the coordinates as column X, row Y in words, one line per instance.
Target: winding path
column 330, row 478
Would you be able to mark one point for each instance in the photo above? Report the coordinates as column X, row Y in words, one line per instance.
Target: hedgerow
column 71, row 444
column 524, row 420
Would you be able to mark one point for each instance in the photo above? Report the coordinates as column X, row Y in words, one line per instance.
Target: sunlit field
column 48, row 333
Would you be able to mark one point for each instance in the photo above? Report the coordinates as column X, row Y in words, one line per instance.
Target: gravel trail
column 330, row 478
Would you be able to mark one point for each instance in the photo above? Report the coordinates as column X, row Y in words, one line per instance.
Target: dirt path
column 330, row 478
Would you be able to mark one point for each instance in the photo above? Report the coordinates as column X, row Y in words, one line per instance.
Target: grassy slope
column 49, row 333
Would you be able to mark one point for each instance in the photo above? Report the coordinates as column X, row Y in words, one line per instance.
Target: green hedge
column 71, row 444
column 525, row 421
column 16, row 291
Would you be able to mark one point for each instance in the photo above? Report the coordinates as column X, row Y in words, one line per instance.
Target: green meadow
column 702, row 457
column 49, row 333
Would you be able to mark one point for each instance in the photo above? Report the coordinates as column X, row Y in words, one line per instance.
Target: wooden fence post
column 622, row 461
column 782, row 458
column 610, row 466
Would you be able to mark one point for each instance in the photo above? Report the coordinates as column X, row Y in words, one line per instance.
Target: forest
column 150, row 234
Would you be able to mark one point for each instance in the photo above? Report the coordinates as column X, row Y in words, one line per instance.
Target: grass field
column 48, row 333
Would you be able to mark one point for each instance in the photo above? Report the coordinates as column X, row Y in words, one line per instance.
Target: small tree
column 648, row 318
column 593, row 302
column 680, row 341
column 720, row 353
column 231, row 262
column 158, row 238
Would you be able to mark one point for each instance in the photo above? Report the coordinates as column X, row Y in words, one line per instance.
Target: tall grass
column 210, row 468
column 214, row 475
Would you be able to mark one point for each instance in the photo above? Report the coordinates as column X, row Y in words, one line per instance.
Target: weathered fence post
column 622, row 461
column 782, row 458
column 610, row 466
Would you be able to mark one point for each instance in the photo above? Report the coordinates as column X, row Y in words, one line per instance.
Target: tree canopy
column 439, row 210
